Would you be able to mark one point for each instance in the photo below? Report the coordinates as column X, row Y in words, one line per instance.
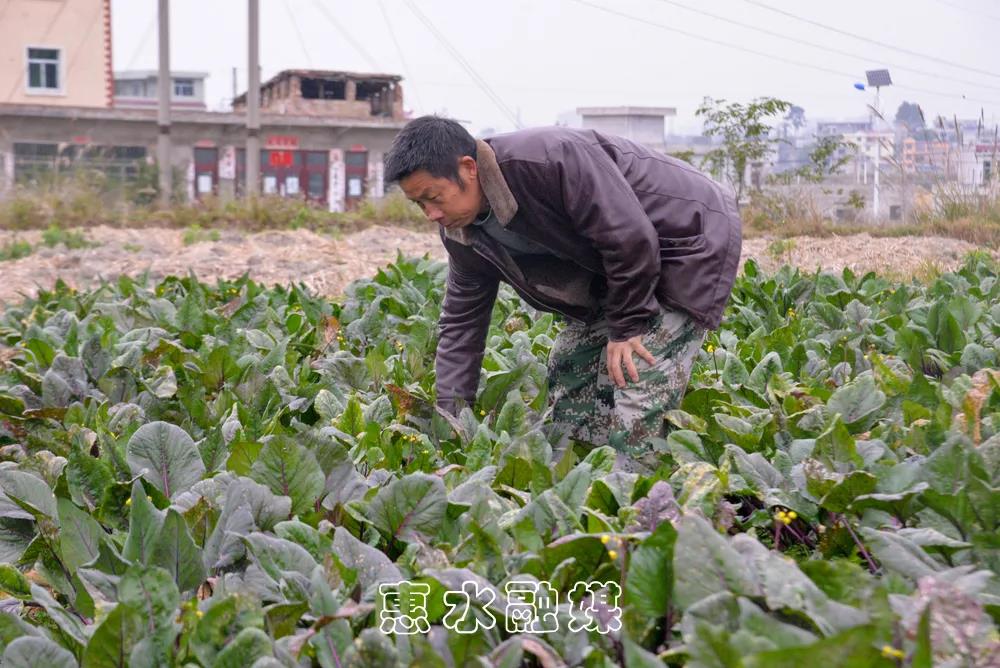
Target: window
column 356, row 159
column 25, row 150
column 366, row 90
column 34, row 161
column 316, row 158
column 323, row 89
column 128, row 152
column 43, row 70
column 183, row 87
column 314, row 187
column 129, row 88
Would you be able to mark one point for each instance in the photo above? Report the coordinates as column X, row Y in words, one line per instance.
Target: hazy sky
column 543, row 58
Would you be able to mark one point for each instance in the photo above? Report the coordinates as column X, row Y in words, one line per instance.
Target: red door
column 282, row 173
column 206, row 172
column 315, row 175
column 288, row 173
column 356, row 173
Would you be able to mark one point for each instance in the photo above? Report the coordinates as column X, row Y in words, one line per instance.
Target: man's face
column 442, row 200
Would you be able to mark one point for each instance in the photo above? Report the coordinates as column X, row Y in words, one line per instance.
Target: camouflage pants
column 592, row 411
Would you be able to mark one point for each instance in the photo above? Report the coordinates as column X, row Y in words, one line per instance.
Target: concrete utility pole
column 163, row 117
column 253, row 102
column 878, row 156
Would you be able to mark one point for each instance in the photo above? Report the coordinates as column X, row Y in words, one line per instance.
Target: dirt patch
column 899, row 257
column 322, row 263
column 326, row 264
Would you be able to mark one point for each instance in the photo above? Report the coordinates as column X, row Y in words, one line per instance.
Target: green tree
column 827, row 157
column 796, row 117
column 910, row 115
column 745, row 133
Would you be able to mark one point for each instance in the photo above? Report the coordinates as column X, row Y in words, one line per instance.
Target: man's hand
column 620, row 352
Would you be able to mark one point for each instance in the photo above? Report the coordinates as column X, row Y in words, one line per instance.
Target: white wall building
column 643, row 125
column 139, row 89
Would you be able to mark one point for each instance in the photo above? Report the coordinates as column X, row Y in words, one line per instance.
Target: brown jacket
column 643, row 229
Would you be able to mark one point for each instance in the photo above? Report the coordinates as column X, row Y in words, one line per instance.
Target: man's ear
column 468, row 168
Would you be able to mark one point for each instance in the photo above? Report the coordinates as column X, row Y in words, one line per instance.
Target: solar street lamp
column 877, row 78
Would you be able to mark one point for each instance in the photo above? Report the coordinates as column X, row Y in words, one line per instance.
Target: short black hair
column 432, row 143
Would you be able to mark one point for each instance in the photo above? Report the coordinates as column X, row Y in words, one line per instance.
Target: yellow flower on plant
column 199, row 614
column 612, row 554
column 710, row 348
column 890, row 652
column 783, row 517
column 128, row 501
column 792, row 514
column 605, row 539
column 482, row 412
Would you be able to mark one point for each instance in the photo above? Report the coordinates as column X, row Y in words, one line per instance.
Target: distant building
column 56, row 53
column 867, row 143
column 967, row 133
column 643, row 125
column 323, row 133
column 986, row 164
column 689, row 147
column 926, row 157
column 139, row 89
column 833, row 128
column 331, row 93
column 332, row 162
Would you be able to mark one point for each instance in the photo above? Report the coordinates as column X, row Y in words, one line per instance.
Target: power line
column 347, row 35
column 713, row 40
column 471, row 71
column 480, row 81
column 846, row 33
column 146, row 34
column 298, row 31
column 399, row 52
column 805, row 42
column 970, row 11
column 72, row 58
column 729, row 45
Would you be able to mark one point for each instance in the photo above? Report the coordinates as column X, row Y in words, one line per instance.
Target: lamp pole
column 876, row 78
column 878, row 157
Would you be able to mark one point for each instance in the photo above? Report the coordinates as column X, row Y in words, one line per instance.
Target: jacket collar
column 494, row 186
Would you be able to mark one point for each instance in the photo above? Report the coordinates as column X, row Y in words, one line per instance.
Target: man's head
column 434, row 161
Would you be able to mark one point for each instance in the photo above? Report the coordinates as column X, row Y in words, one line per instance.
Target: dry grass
column 972, row 218
column 86, row 199
column 83, row 200
column 973, row 230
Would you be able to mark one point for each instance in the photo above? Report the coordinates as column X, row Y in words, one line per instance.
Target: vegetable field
column 241, row 476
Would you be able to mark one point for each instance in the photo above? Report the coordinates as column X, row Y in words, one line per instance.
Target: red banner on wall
column 282, row 141
column 280, row 158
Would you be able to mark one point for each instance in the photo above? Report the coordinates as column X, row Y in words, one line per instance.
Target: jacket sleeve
column 603, row 208
column 465, row 321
